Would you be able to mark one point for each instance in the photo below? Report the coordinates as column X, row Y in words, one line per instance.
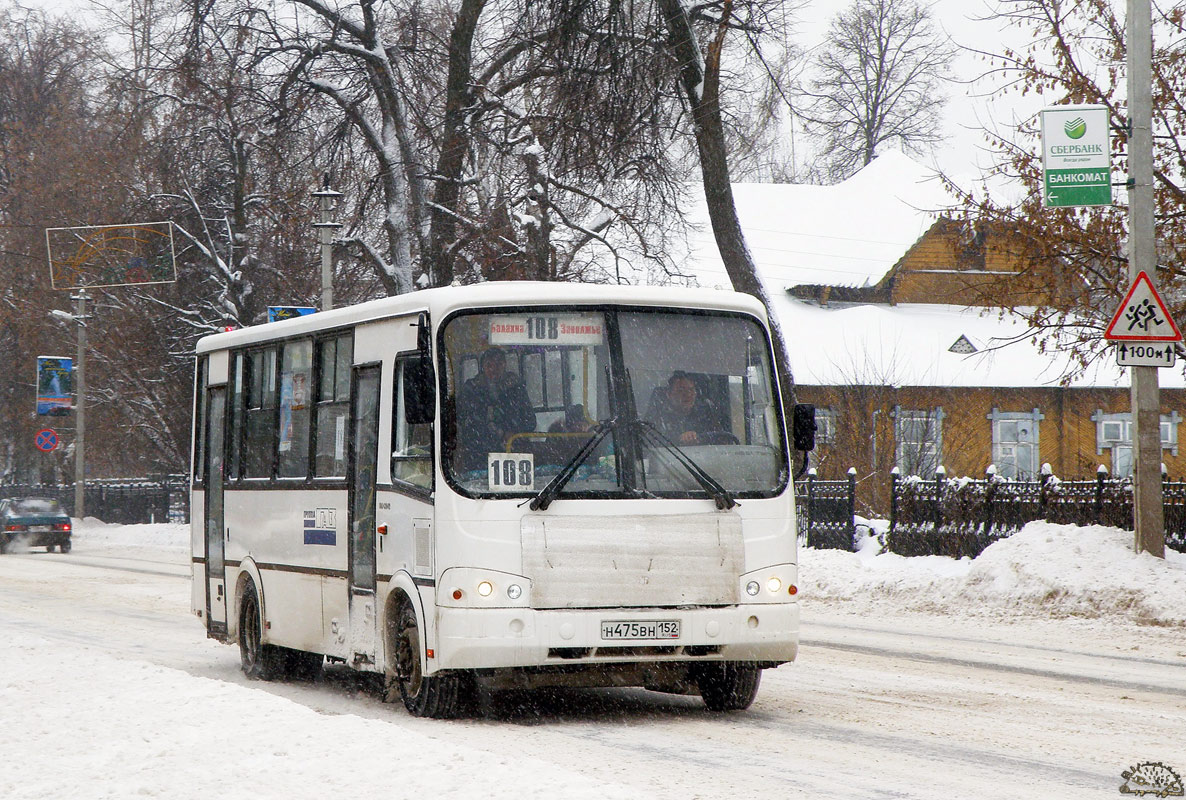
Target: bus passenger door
column 364, row 446
column 216, row 626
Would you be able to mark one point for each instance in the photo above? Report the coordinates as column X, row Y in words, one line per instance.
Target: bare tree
column 879, row 81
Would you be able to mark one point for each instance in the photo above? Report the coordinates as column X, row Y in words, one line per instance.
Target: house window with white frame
column 919, row 441
column 1114, row 432
column 1015, row 442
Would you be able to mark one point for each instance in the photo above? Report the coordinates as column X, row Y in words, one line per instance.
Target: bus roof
column 501, row 294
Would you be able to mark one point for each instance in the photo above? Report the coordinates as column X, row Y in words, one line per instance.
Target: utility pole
column 326, row 199
column 80, row 317
column 1148, row 513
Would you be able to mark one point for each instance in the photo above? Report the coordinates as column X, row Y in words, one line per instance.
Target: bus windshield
column 525, row 391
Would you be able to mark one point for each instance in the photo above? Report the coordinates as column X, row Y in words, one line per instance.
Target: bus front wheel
column 440, row 696
column 259, row 661
column 727, row 686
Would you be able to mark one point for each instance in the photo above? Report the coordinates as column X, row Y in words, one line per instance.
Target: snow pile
column 158, row 536
column 1043, row 570
column 191, row 737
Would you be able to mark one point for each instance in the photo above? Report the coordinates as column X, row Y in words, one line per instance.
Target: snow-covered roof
column 847, row 234
column 910, row 345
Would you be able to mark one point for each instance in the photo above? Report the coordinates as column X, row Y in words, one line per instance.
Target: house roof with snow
column 852, row 234
column 847, row 234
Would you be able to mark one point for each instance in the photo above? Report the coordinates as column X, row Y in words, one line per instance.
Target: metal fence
column 124, row 502
column 961, row 516
column 826, row 511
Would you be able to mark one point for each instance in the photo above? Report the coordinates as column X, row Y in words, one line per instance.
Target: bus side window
column 334, row 358
column 411, row 448
column 296, row 365
column 260, row 404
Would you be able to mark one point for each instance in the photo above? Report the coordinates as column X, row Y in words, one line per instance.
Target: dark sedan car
column 33, row 522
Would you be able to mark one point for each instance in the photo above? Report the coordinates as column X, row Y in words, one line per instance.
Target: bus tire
column 441, row 696
column 727, row 686
column 259, row 661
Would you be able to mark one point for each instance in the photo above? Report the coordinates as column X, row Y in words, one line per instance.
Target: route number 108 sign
column 547, row 329
column 511, row 472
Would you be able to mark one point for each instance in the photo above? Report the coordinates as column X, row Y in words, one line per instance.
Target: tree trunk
column 454, row 144
column 701, row 83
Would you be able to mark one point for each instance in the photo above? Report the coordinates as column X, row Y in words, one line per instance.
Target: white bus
column 369, row 490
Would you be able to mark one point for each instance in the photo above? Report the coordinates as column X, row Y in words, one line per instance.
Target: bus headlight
column 474, row 587
column 774, row 584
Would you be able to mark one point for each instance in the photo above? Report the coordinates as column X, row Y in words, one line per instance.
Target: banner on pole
column 54, row 386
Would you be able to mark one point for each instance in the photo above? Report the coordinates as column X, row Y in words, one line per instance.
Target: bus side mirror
column 419, row 387
column 803, row 427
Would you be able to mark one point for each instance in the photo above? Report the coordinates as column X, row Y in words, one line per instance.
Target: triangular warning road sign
column 1142, row 316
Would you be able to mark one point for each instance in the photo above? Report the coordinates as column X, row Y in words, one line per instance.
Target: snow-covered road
column 109, row 690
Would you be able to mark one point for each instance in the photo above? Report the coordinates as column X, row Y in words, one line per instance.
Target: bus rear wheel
column 727, row 686
column 259, row 661
column 441, row 696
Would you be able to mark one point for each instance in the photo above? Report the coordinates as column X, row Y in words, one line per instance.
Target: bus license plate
column 640, row 629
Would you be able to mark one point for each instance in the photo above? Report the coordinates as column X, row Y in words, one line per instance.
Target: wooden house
column 909, row 366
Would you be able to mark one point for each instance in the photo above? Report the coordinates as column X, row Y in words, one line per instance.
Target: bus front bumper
column 523, row 637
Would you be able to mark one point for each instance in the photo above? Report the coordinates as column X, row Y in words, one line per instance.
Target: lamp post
column 80, row 317
column 326, row 199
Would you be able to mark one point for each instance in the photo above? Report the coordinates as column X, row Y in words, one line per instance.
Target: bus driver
column 491, row 406
column 679, row 413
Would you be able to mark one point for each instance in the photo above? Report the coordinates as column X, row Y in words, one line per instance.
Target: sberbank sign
column 1076, row 152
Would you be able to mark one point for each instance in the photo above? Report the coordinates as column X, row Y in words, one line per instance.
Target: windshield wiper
column 556, row 485
column 719, row 493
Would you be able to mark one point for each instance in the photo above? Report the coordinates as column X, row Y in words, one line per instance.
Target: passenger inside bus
column 679, row 412
column 491, row 406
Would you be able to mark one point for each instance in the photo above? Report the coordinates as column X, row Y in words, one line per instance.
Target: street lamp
column 80, row 317
column 326, row 199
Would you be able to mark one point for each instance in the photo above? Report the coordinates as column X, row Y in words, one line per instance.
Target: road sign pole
column 80, row 407
column 1148, row 514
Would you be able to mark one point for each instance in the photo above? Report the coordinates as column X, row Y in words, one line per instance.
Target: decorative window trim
column 935, row 416
column 1170, row 443
column 1035, row 416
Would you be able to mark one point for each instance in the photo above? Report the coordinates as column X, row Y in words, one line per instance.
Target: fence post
column 810, row 501
column 990, row 490
column 852, row 508
column 940, row 483
column 1101, row 475
column 1045, row 477
column 894, row 475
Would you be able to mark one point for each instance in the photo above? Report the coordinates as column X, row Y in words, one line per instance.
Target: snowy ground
column 1043, row 668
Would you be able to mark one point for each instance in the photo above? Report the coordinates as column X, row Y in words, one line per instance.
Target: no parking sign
column 46, row 440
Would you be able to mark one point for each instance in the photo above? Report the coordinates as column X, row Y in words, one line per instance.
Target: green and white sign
column 1076, row 157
